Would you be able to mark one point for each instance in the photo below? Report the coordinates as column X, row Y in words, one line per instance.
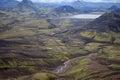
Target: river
column 68, row 64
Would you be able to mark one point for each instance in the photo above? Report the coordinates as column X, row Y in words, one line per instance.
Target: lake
column 92, row 15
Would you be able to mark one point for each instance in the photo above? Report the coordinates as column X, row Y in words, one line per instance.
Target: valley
column 30, row 49
column 39, row 43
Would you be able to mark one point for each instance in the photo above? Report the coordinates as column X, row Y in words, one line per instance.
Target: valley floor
column 54, row 49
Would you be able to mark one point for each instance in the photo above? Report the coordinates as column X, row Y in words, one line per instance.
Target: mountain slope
column 106, row 28
column 107, row 22
column 114, row 7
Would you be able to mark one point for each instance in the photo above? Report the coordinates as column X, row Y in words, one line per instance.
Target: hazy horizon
column 59, row 1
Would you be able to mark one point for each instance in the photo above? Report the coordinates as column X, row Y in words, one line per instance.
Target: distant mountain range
column 76, row 4
column 56, row 9
column 8, row 4
column 66, row 9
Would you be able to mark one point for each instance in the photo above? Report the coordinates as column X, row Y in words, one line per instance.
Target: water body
column 92, row 15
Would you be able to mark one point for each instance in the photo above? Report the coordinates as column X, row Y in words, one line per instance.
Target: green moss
column 105, row 74
column 115, row 66
column 112, row 52
column 102, row 38
column 93, row 47
column 31, row 69
column 110, row 37
column 88, row 34
column 80, row 69
column 39, row 76
column 117, row 41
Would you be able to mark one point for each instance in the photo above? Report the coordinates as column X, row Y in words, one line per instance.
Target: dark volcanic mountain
column 66, row 9
column 27, row 6
column 107, row 22
column 114, row 7
column 8, row 4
